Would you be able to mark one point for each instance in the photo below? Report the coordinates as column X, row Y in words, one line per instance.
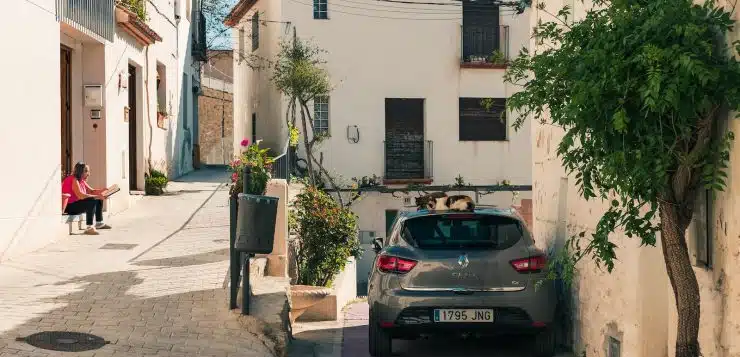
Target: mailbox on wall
column 93, row 95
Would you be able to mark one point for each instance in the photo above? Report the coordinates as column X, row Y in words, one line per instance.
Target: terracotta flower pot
column 303, row 297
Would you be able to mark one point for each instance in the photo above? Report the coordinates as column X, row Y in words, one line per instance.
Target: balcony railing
column 500, row 53
column 408, row 160
column 283, row 165
column 93, row 17
column 200, row 51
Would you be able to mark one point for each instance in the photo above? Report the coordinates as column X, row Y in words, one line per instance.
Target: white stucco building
column 85, row 86
column 408, row 88
column 632, row 312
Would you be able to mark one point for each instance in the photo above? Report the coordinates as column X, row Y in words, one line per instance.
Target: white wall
column 370, row 59
column 30, row 103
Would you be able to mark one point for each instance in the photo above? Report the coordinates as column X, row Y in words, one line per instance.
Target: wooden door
column 404, row 138
column 66, row 114
column 132, row 124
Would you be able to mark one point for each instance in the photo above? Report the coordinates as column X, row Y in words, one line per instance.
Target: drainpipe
column 148, row 113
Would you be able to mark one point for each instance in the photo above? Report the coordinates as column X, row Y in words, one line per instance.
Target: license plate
column 463, row 315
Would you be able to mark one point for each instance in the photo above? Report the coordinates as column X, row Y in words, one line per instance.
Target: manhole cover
column 114, row 246
column 64, row 341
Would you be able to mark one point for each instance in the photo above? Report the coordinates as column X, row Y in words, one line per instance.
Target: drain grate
column 114, row 246
column 65, row 341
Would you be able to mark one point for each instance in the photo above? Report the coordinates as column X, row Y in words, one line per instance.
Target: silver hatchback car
column 469, row 272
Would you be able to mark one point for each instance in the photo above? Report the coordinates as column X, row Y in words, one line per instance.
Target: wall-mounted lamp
column 353, row 134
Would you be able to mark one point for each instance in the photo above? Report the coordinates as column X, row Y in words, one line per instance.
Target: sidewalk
column 154, row 285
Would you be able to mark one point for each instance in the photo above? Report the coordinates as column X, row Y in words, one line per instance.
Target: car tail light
column 531, row 264
column 391, row 264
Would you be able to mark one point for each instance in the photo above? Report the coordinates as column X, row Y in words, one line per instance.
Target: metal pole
column 245, row 272
column 233, row 254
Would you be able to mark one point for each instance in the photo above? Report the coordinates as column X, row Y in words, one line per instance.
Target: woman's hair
column 79, row 170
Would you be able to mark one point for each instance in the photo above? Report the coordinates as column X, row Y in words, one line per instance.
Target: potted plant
column 498, row 58
column 256, row 213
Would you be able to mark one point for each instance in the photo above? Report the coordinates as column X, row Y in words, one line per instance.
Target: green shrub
column 155, row 183
column 260, row 164
column 327, row 237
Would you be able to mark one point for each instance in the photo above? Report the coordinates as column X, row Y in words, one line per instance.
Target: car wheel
column 380, row 341
column 544, row 343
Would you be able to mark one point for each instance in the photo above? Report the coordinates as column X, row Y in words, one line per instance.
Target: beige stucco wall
column 635, row 303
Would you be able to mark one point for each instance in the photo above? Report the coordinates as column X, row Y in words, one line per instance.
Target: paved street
column 154, row 285
column 328, row 339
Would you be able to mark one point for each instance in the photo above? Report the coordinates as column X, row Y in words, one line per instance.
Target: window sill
column 482, row 65
column 421, row 181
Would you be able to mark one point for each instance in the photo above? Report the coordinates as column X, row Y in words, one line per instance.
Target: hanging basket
column 255, row 225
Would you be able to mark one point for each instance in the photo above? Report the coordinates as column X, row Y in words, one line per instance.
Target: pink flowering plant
column 260, row 164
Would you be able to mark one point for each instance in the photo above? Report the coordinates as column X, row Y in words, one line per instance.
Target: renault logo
column 463, row 261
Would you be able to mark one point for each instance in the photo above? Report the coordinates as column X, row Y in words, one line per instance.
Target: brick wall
column 525, row 210
column 215, row 107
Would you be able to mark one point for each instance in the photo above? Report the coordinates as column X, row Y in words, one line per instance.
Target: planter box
column 343, row 291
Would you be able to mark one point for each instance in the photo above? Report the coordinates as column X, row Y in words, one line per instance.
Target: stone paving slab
column 164, row 296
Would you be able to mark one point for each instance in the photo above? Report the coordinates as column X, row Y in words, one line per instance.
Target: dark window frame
column 474, row 120
column 320, row 13
column 254, row 127
column 703, row 234
column 255, row 31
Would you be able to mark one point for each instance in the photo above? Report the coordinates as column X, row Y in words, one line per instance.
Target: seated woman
column 84, row 198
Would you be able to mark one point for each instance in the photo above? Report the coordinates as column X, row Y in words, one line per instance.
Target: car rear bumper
column 515, row 312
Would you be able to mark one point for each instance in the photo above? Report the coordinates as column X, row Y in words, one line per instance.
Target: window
column 255, row 31
column 462, row 231
column 254, row 127
column 479, row 122
column 703, row 228
column 480, row 31
column 321, row 9
column 242, row 41
column 321, row 115
column 162, row 106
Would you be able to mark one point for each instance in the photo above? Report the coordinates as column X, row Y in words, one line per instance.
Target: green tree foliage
column 639, row 87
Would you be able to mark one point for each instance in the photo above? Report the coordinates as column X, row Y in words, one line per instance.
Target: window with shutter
column 481, row 123
column 480, row 30
column 255, row 31
column 703, row 228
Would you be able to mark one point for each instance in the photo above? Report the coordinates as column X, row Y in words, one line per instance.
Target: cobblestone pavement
column 348, row 338
column 152, row 286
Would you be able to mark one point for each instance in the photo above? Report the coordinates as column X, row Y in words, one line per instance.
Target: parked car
column 451, row 272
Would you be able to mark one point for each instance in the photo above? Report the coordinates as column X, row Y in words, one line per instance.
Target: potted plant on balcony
column 498, row 58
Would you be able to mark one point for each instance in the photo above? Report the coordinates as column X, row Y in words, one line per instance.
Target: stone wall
column 216, row 109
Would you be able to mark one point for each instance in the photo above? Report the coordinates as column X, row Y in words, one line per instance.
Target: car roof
column 494, row 211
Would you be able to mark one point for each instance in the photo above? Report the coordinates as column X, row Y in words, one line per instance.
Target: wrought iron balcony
column 481, row 49
column 200, row 50
column 95, row 18
column 408, row 161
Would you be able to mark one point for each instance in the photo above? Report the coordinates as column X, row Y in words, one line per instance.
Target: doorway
column 132, row 126
column 66, row 117
column 404, row 138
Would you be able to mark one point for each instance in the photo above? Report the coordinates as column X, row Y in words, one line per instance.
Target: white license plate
column 463, row 315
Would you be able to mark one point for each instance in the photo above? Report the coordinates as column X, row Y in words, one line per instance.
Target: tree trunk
column 308, row 148
column 682, row 277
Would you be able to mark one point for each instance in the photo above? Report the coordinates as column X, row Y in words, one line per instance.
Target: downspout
column 148, row 114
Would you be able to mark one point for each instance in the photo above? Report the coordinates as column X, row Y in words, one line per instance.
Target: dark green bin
column 255, row 224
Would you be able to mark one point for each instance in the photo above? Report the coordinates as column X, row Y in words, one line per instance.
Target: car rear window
column 462, row 230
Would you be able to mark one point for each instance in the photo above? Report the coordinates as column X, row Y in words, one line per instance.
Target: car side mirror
column 377, row 244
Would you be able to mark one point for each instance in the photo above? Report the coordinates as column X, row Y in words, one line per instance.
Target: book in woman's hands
column 110, row 191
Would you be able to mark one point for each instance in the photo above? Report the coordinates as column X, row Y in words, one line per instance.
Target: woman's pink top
column 67, row 188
